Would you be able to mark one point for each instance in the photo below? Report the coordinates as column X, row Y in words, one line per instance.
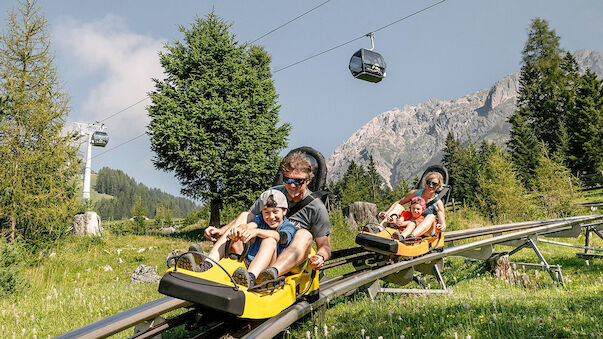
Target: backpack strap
column 438, row 196
column 308, row 199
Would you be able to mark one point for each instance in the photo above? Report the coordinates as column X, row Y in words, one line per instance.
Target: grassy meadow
column 87, row 279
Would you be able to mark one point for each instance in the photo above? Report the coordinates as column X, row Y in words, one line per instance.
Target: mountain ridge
column 404, row 141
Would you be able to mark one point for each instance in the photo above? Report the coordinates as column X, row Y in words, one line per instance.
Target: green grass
column 72, row 289
column 481, row 305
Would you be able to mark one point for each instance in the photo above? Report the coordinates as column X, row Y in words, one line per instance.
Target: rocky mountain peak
column 404, row 141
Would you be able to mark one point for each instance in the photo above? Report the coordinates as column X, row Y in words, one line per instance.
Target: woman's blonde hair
column 434, row 175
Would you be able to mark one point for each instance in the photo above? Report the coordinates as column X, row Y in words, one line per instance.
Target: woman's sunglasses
column 431, row 183
column 294, row 181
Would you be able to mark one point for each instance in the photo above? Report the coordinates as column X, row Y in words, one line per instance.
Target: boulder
column 361, row 213
column 88, row 223
column 167, row 230
column 144, row 274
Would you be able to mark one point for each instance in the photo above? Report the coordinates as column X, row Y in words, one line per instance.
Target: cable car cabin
column 367, row 65
column 99, row 139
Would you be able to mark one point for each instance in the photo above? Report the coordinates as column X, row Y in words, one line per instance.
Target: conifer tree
column 463, row 165
column 524, row 148
column 38, row 161
column 451, row 159
column 214, row 118
column 541, row 81
column 585, row 126
column 374, row 181
column 354, row 185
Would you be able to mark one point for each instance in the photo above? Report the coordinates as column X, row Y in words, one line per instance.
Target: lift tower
column 96, row 135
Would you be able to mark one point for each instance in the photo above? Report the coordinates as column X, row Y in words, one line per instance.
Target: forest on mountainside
column 125, row 192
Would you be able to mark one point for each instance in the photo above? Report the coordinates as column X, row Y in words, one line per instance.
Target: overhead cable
column 290, row 21
column 357, row 38
column 119, row 145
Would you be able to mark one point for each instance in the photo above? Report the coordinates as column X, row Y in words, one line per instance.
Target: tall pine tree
column 38, row 161
column 524, row 148
column 541, row 99
column 214, row 118
column 585, row 126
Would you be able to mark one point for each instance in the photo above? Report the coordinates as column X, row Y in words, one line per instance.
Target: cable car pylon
column 96, row 136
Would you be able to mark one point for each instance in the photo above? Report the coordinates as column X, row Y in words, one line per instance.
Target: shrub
column 554, row 186
column 12, row 278
column 501, row 197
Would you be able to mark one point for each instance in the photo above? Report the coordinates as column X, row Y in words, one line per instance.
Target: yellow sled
column 216, row 289
column 383, row 242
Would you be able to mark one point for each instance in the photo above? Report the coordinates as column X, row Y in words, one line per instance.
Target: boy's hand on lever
column 246, row 235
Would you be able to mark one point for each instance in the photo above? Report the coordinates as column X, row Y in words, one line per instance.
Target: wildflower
column 308, row 334
column 456, row 335
column 326, row 330
column 539, row 320
column 481, row 316
column 362, row 331
column 316, row 331
column 494, row 316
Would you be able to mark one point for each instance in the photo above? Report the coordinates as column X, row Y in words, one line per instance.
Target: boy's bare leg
column 295, row 253
column 266, row 254
column 424, row 226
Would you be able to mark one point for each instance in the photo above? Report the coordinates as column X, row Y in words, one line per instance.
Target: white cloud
column 121, row 62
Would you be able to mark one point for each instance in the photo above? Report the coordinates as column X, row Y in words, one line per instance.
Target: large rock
column 361, row 213
column 88, row 223
column 144, row 274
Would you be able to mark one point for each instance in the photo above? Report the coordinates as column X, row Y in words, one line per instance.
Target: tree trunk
column 214, row 219
column 13, row 229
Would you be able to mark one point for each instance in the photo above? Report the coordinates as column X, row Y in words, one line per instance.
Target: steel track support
column 588, row 230
column 553, row 270
column 432, row 268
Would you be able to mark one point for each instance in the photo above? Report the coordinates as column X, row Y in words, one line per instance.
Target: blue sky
column 106, row 54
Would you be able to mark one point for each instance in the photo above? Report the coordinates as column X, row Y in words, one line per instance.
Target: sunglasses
column 294, row 181
column 431, row 183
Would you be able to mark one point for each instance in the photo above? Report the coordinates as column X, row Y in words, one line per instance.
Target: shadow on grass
column 194, row 235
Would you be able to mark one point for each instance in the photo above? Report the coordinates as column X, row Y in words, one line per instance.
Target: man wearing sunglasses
column 311, row 222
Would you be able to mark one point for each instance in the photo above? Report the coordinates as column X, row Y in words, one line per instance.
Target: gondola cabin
column 367, row 65
column 99, row 138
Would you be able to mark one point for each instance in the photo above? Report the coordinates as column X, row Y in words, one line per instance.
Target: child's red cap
column 418, row 200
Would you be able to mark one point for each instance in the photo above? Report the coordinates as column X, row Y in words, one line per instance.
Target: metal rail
column 334, row 287
column 276, row 324
column 489, row 230
column 126, row 319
